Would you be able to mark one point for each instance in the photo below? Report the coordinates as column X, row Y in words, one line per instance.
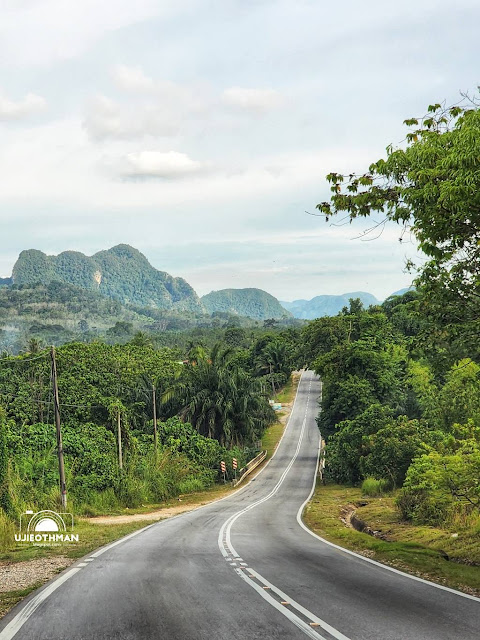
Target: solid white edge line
column 261, row 470
column 124, row 539
column 369, row 560
column 14, row 626
column 227, row 526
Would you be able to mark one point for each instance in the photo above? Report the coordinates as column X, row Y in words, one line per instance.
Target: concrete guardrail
column 249, row 467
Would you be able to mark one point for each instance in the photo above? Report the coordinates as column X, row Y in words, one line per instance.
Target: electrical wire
column 15, row 360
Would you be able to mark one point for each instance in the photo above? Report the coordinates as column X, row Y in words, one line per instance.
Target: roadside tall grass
column 7, row 532
column 374, row 488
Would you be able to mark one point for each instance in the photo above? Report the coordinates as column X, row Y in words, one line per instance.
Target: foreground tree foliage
column 389, row 416
column 431, row 187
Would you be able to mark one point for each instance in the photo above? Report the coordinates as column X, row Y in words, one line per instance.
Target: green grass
column 90, row 535
column 271, row 438
column 288, row 392
column 417, row 550
column 374, row 488
column 10, row 599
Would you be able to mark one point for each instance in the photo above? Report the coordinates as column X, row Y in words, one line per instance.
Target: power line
column 16, row 360
column 50, row 402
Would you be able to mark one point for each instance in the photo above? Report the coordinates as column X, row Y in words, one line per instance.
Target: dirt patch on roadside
column 159, row 514
column 346, row 514
column 15, row 576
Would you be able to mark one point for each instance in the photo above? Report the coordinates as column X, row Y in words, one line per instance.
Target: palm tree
column 34, row 346
column 221, row 400
column 273, row 359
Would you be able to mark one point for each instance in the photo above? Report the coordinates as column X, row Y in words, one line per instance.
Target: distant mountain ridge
column 121, row 273
column 252, row 303
column 401, row 292
column 326, row 305
column 331, row 305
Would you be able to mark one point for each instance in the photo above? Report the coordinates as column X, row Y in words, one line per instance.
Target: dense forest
column 396, row 412
column 57, row 313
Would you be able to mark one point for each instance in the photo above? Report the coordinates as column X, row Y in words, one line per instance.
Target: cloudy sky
column 200, row 131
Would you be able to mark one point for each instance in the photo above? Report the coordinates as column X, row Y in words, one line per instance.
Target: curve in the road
column 275, row 579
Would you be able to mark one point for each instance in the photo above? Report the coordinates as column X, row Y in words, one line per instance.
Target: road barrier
column 249, row 467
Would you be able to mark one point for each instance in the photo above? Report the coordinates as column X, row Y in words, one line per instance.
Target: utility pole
column 119, row 435
column 56, row 404
column 154, row 399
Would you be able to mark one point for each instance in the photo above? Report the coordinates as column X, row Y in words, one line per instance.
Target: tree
column 274, row 360
column 344, row 399
column 355, row 307
column 220, row 400
column 120, row 329
column 389, row 452
column 440, row 483
column 345, row 448
column 321, row 335
column 269, row 323
column 431, row 186
column 235, row 336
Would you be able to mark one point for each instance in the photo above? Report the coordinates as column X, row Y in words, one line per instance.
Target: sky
column 201, row 131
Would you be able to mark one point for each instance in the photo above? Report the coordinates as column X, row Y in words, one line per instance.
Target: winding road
column 244, row 567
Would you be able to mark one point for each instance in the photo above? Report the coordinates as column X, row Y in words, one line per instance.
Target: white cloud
column 11, row 110
column 153, row 108
column 158, row 164
column 256, row 100
column 132, row 79
column 106, row 119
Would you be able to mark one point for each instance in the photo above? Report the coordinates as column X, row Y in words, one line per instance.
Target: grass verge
column 434, row 554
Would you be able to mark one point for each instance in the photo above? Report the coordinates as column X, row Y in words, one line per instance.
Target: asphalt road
column 243, row 567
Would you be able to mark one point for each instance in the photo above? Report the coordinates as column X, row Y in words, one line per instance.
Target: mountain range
column 326, row 305
column 124, row 275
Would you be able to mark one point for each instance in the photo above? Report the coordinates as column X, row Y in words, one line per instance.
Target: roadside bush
column 191, row 484
column 439, row 486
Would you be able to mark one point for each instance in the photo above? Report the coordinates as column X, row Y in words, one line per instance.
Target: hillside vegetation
column 253, row 303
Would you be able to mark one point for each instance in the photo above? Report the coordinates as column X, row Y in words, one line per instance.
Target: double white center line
column 309, row 623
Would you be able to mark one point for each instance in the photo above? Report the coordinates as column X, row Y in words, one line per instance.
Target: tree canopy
column 431, row 186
